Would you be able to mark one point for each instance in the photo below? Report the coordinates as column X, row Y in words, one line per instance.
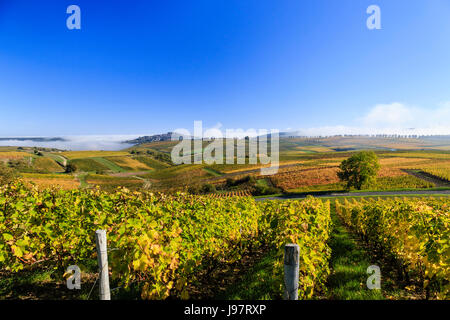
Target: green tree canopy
column 359, row 170
column 70, row 167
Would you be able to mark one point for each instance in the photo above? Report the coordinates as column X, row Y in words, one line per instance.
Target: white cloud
column 400, row 116
column 389, row 114
column 394, row 118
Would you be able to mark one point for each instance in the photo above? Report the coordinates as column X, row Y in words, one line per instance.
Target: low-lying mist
column 75, row 143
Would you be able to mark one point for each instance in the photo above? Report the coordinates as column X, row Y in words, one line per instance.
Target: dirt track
column 355, row 194
column 428, row 177
column 128, row 174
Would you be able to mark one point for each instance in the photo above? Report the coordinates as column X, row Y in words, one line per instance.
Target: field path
column 64, row 160
column 59, row 159
column 81, row 177
column 428, row 177
column 147, row 184
column 129, row 174
column 348, row 265
column 350, row 258
column 356, row 194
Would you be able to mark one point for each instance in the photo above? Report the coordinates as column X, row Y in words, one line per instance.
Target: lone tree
column 359, row 170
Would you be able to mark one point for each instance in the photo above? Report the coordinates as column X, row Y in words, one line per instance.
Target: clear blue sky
column 153, row 66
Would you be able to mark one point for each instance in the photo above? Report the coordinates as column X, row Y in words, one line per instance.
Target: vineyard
column 413, row 233
column 305, row 178
column 51, row 180
column 181, row 243
column 239, row 193
column 303, row 169
column 161, row 244
column 442, row 172
column 322, row 179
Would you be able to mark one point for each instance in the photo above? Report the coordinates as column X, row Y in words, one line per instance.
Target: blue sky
column 143, row 67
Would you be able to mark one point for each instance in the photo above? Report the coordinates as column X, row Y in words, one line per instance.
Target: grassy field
column 56, row 157
column 112, row 166
column 41, row 164
column 92, row 154
column 89, row 165
column 127, row 163
column 152, row 163
column 66, row 182
column 421, row 154
column 7, row 155
column 111, row 183
column 213, row 172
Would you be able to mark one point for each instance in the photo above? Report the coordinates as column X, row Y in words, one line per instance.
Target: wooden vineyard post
column 102, row 256
column 291, row 271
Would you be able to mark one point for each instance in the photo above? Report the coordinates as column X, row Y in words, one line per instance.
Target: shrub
column 7, row 175
column 208, row 188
